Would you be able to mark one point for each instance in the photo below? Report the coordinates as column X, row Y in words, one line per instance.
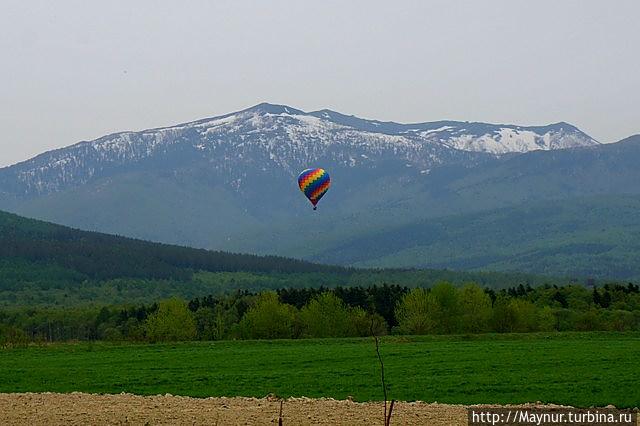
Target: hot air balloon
column 314, row 183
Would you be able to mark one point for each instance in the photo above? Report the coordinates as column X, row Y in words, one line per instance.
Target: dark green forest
column 100, row 256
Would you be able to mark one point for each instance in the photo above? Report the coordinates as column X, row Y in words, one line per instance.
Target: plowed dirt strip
column 125, row 409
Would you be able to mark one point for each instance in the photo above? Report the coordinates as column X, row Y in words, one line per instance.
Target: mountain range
column 446, row 194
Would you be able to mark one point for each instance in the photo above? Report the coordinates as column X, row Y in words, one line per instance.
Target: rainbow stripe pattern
column 314, row 183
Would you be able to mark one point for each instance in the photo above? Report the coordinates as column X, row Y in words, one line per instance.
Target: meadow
column 580, row 369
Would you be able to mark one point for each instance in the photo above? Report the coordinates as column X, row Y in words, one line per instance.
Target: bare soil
column 126, row 409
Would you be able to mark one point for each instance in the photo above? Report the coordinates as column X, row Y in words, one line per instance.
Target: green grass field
column 581, row 369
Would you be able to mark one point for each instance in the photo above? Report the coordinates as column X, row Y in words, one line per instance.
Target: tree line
column 337, row 312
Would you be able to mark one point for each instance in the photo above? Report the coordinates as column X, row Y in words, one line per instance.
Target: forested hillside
column 102, row 256
column 58, row 283
column 47, row 264
column 597, row 236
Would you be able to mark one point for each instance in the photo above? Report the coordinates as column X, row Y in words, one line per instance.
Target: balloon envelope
column 314, row 183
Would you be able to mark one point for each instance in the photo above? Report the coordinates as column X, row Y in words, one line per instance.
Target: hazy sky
column 74, row 71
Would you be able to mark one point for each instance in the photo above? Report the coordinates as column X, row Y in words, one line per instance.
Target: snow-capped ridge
column 282, row 137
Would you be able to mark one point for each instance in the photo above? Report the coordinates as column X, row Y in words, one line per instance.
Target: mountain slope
column 228, row 183
column 588, row 237
column 516, row 181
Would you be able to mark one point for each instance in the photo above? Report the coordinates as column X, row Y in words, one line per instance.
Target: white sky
column 76, row 70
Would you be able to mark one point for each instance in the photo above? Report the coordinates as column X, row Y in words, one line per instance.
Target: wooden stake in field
column 387, row 416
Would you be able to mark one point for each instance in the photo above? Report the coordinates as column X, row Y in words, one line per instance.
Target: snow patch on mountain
column 515, row 140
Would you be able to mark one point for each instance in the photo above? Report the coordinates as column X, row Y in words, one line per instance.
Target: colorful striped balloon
column 314, row 183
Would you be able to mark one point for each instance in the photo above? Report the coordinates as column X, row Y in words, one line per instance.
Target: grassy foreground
column 581, row 369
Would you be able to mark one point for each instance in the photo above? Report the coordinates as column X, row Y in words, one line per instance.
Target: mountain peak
column 267, row 108
column 562, row 125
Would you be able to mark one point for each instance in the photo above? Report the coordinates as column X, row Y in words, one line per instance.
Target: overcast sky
column 73, row 71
